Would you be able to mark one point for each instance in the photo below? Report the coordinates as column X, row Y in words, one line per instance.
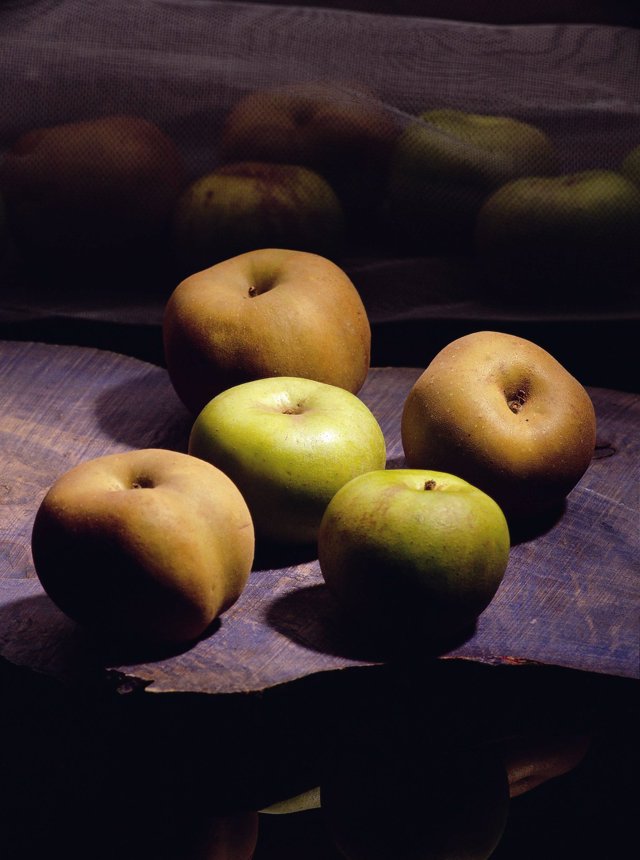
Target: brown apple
column 505, row 415
column 148, row 545
column 269, row 312
column 95, row 184
column 340, row 129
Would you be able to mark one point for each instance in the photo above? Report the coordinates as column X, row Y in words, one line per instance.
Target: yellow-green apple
column 103, row 183
column 630, row 166
column 269, row 312
column 567, row 241
column 148, row 545
column 418, row 547
column 447, row 162
column 242, row 206
column 288, row 444
column 339, row 129
column 504, row 414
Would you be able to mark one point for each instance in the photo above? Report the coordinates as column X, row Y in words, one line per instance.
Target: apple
column 504, row 414
column 269, row 312
column 565, row 241
column 105, row 183
column 415, row 548
column 248, row 205
column 146, row 546
column 414, row 797
column 447, row 162
column 289, row 444
column 630, row 167
column 339, row 129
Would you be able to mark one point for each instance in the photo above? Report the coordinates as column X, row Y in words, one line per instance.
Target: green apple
column 248, row 205
column 289, row 444
column 270, row 312
column 93, row 185
column 566, row 241
column 504, row 414
column 448, row 161
column 630, row 166
column 148, row 546
column 415, row 547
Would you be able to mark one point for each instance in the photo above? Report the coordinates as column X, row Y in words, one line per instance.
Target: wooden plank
column 570, row 596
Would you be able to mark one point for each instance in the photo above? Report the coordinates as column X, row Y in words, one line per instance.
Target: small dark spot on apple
column 430, row 485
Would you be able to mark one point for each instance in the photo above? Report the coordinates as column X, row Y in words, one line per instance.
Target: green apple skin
column 564, row 241
column 270, row 312
column 248, row 205
column 502, row 413
column 289, row 444
column 630, row 167
column 148, row 546
column 447, row 163
column 415, row 546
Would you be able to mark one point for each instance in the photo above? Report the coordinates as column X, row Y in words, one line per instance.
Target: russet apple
column 447, row 162
column 415, row 547
column 98, row 184
column 288, row 444
column 562, row 241
column 148, row 545
column 339, row 129
column 242, row 206
column 504, row 414
column 269, row 312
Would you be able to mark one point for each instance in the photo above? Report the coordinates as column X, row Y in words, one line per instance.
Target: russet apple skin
column 415, row 547
column 288, row 444
column 146, row 546
column 337, row 128
column 243, row 206
column 270, row 312
column 565, row 241
column 501, row 412
column 97, row 184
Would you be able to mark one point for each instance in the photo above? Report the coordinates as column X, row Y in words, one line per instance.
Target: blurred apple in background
column 502, row 413
column 244, row 206
column 562, row 242
column 270, row 312
column 99, row 185
column 415, row 551
column 289, row 444
column 446, row 163
column 630, row 166
column 339, row 129
column 148, row 546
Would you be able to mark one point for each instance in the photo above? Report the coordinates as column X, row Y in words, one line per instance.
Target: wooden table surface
column 570, row 597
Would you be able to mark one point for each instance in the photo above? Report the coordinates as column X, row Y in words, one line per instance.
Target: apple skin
column 248, row 205
column 96, row 184
column 270, row 312
column 289, row 444
column 448, row 162
column 147, row 546
column 339, row 129
column 502, row 413
column 565, row 241
column 630, row 167
column 415, row 547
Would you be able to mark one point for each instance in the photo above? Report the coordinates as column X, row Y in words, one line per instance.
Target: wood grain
column 570, row 596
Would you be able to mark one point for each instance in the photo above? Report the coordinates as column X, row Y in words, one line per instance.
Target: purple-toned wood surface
column 570, row 597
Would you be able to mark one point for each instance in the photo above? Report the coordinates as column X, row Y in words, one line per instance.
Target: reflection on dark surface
column 411, row 762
